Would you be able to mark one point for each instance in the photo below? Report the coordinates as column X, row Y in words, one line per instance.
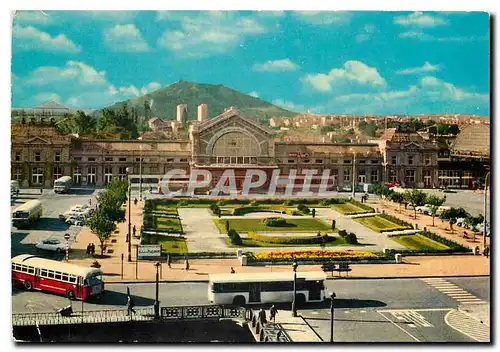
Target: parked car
column 392, row 184
column 78, row 220
column 51, row 244
column 424, row 209
column 462, row 222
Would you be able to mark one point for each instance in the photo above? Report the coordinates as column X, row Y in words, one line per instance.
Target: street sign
column 66, row 236
column 149, row 250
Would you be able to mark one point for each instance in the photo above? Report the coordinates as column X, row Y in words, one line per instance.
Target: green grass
column 379, row 224
column 170, row 244
column 257, row 225
column 418, row 242
column 165, row 224
column 349, row 208
column 247, row 242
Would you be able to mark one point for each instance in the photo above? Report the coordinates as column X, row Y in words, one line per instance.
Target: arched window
column 236, row 148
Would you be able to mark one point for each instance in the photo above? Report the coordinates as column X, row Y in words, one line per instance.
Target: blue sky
column 325, row 62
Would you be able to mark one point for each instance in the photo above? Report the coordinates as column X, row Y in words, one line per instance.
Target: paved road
column 399, row 310
column 23, row 240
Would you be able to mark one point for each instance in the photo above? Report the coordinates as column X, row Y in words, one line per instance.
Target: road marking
column 453, row 291
column 416, row 310
column 477, row 302
column 399, row 327
column 412, row 317
column 467, row 326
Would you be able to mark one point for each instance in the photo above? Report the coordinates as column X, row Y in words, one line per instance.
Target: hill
column 164, row 101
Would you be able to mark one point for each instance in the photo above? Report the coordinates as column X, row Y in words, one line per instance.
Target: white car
column 52, row 244
column 424, row 209
column 77, row 220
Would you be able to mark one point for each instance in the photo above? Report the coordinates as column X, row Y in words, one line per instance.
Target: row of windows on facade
column 57, row 158
column 410, row 159
column 51, row 274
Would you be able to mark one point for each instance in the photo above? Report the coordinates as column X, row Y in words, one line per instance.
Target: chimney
column 181, row 113
column 202, row 112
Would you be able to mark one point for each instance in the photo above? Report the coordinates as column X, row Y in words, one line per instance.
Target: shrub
column 275, row 222
column 288, row 202
column 253, row 209
column 303, row 208
column 342, row 233
column 234, row 237
column 215, row 208
column 351, row 238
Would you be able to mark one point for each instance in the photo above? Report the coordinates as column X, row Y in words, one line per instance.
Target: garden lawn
column 257, row 225
column 171, row 244
column 379, row 224
column 166, row 224
column 348, row 208
column 419, row 242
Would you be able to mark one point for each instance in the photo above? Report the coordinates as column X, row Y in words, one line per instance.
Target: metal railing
column 121, row 315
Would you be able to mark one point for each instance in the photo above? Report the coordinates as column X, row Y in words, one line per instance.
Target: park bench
column 331, row 267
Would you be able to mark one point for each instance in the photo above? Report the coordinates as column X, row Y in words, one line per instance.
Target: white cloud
column 44, row 97
column 429, row 95
column 366, row 33
column 254, row 94
column 209, row 33
column 107, row 16
column 420, row 19
column 126, row 38
column 289, row 105
column 353, row 74
column 324, row 17
column 150, row 87
column 33, row 17
column 276, row 66
column 30, row 38
column 427, row 67
column 80, row 85
column 75, row 71
column 419, row 35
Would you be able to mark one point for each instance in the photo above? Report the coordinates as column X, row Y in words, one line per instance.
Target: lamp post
column 353, row 174
column 157, row 302
column 332, row 315
column 294, row 304
column 129, row 258
column 486, row 179
column 140, row 168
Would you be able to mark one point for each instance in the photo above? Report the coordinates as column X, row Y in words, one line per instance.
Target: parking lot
column 23, row 241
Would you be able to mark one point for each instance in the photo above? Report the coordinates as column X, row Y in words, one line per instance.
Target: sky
column 372, row 63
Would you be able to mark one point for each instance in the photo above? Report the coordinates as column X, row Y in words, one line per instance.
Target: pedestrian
column 135, row 201
column 232, row 271
column 262, row 316
column 133, row 230
column 130, row 303
column 41, row 190
column 187, row 264
column 169, row 261
column 487, row 251
column 150, row 189
column 88, row 250
column 465, row 234
column 272, row 313
column 90, row 202
column 92, row 249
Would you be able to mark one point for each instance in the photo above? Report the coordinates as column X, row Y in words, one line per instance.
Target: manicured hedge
column 248, row 210
column 291, row 239
column 275, row 222
column 395, row 219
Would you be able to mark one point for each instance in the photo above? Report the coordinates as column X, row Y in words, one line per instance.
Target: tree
column 102, row 226
column 314, row 213
column 416, row 197
column 435, row 202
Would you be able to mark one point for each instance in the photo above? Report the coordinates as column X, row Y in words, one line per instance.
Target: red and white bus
column 73, row 281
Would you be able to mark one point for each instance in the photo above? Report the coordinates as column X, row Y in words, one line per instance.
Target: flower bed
column 312, row 255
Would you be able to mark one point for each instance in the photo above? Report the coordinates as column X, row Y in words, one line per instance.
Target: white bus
column 250, row 288
column 63, row 184
column 14, row 188
column 27, row 213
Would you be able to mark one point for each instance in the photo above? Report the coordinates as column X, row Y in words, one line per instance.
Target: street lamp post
column 485, row 207
column 353, row 175
column 129, row 240
column 294, row 303
column 140, row 168
column 332, row 315
column 157, row 301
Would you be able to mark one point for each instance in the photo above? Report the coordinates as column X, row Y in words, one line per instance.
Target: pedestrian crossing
column 453, row 291
column 412, row 318
column 468, row 326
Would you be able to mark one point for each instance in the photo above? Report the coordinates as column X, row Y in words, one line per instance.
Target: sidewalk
column 435, row 266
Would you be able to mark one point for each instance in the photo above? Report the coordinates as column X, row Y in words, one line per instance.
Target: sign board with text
column 149, row 250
